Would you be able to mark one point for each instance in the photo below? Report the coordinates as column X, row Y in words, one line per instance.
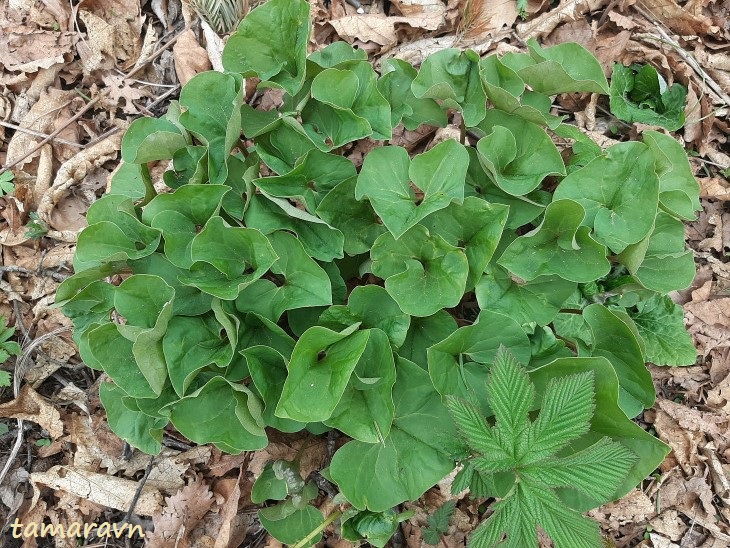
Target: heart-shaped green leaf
column 388, row 178
column 517, row 153
column 419, row 265
column 559, row 246
column 452, row 76
column 412, row 458
column 275, row 53
column 609, row 188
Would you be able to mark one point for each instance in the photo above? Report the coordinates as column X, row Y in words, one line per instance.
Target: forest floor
column 80, row 72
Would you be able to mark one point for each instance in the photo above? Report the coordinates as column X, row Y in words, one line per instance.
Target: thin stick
column 57, row 276
column 21, row 365
column 137, row 494
column 91, row 103
column 38, row 134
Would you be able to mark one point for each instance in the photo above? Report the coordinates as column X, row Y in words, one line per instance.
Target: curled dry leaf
column 568, row 10
column 190, row 57
column 380, row 29
column 26, row 49
column 182, row 512
column 31, row 406
column 679, row 19
column 109, row 491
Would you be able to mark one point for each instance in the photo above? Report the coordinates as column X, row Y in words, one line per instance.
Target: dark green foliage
column 283, row 287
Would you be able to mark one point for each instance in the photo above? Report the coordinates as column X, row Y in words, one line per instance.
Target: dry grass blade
column 222, row 15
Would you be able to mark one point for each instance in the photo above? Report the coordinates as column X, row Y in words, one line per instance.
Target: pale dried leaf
column 179, row 517
column 677, row 18
column 568, row 10
column 31, row 406
column 106, row 490
column 190, row 57
column 381, row 29
column 26, row 49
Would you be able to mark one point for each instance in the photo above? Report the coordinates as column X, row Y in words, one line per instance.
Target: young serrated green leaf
column 529, row 450
column 440, row 518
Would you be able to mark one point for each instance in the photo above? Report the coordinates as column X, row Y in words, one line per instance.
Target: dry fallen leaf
column 31, row 406
column 568, row 10
column 181, row 514
column 25, row 49
column 103, row 489
column 190, row 57
column 381, row 29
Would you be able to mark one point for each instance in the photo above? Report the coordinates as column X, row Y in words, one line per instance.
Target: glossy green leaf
column 300, row 281
column 452, row 76
column 271, row 43
column 227, row 259
column 335, row 53
column 388, row 174
column 420, row 264
column 150, row 139
column 661, row 262
column 458, row 364
column 395, row 86
column 475, row 226
column 559, row 246
column 412, row 459
column 221, row 413
column 522, row 209
column 504, row 87
column 610, row 187
column 536, row 301
column 372, row 307
column 110, row 349
column 423, row 333
column 357, row 220
column 295, row 526
column 191, row 344
column 134, row 427
column 517, row 153
column 678, row 189
column 316, row 174
column 320, row 240
column 365, row 410
column 613, row 340
column 268, row 371
column 564, row 68
column 213, row 101
column 319, row 371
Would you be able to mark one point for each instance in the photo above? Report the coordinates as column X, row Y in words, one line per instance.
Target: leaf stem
column 332, row 517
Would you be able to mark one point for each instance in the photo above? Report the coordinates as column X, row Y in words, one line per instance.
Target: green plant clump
column 279, row 286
